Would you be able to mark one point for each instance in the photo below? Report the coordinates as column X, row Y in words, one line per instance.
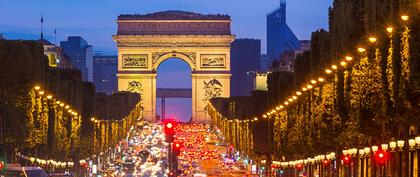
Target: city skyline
column 98, row 26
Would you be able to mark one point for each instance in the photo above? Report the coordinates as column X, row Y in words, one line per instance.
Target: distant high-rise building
column 265, row 62
column 80, row 55
column 280, row 37
column 287, row 58
column 105, row 73
column 245, row 58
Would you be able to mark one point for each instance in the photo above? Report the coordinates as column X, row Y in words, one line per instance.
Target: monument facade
column 202, row 41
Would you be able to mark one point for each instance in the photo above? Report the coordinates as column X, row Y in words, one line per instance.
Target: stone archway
column 202, row 41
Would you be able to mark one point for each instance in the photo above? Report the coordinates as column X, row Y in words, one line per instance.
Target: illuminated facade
column 51, row 51
column 202, row 41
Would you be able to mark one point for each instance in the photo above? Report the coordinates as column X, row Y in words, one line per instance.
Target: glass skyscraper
column 280, row 37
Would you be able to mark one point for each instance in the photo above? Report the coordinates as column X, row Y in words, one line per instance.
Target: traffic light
column 346, row 159
column 299, row 167
column 381, row 157
column 326, row 162
column 169, row 128
column 176, row 148
column 2, row 166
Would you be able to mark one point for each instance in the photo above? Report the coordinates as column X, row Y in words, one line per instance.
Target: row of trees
column 371, row 100
column 37, row 125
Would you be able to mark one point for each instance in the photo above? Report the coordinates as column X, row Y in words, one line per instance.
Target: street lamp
column 328, row 71
column 393, row 145
column 412, row 143
column 372, row 39
column 405, row 17
column 374, row 149
column 418, row 141
column 321, row 79
column 367, row 150
column 384, row 147
column 389, row 29
column 37, row 87
column 349, row 58
column 400, row 144
column 361, row 49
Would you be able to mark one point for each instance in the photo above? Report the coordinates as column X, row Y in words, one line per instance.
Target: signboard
column 134, row 61
column 213, row 60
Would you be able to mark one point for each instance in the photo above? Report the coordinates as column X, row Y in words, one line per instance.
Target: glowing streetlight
column 328, row 71
column 343, row 63
column 61, row 104
column 389, row 29
column 334, row 67
column 286, row 103
column 405, row 17
column 294, row 97
column 281, row 106
column 41, row 92
column 313, row 81
column 49, row 97
column 67, row 107
column 57, row 102
column 304, row 89
column 321, row 79
column 361, row 49
column 37, row 87
column 256, row 119
column 349, row 58
column 372, row 39
column 309, row 86
column 298, row 93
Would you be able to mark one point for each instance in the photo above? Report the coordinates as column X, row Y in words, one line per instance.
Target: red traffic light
column 346, row 159
column 326, row 162
column 1, row 165
column 176, row 147
column 299, row 167
column 381, row 157
column 169, row 128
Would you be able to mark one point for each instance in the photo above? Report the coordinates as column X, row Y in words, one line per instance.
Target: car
column 14, row 170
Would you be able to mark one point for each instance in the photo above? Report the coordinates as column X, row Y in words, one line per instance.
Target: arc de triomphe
column 202, row 41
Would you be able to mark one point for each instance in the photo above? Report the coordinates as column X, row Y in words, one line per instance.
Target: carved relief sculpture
column 134, row 61
column 213, row 89
column 213, row 61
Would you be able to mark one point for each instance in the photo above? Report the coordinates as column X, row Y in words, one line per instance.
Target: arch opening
column 173, row 76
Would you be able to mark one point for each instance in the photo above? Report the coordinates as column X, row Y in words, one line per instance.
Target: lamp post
column 411, row 156
column 400, row 144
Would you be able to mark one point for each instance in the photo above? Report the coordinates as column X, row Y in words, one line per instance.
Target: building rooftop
column 44, row 42
column 173, row 15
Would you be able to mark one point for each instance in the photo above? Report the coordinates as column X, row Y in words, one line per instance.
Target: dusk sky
column 95, row 20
